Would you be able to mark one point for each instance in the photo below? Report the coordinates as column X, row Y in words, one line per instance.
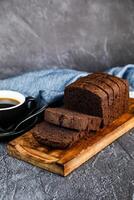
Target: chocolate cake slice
column 71, row 119
column 56, row 137
column 126, row 94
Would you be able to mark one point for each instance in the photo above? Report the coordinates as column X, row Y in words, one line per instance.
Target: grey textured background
column 82, row 34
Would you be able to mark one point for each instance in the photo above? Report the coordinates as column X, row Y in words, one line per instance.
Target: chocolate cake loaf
column 56, row 137
column 117, row 85
column 71, row 119
column 98, row 94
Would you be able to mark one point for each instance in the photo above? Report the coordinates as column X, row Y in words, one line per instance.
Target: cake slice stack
column 90, row 103
column 63, row 127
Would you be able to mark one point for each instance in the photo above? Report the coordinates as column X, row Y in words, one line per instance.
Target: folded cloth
column 48, row 86
column 126, row 72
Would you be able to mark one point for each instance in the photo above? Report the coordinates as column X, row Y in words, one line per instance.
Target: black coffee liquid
column 7, row 103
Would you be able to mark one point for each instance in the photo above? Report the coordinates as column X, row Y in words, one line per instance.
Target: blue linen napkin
column 126, row 72
column 48, row 85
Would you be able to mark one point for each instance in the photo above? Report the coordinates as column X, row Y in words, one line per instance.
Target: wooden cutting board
column 65, row 161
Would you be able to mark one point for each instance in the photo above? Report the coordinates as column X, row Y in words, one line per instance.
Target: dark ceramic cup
column 16, row 111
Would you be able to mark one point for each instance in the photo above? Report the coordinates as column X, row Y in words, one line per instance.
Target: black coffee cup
column 13, row 107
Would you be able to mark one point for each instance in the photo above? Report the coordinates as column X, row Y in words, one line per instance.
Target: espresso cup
column 13, row 107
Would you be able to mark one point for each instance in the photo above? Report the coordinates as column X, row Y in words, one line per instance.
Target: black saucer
column 22, row 129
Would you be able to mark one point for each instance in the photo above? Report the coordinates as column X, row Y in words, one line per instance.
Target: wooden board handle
column 29, row 153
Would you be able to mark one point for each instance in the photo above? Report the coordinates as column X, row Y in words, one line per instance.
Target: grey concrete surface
column 82, row 34
column 107, row 176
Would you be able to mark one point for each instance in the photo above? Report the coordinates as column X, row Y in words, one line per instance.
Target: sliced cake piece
column 126, row 94
column 71, row 119
column 56, row 137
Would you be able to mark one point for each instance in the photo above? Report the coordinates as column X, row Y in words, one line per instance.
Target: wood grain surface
column 65, row 161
